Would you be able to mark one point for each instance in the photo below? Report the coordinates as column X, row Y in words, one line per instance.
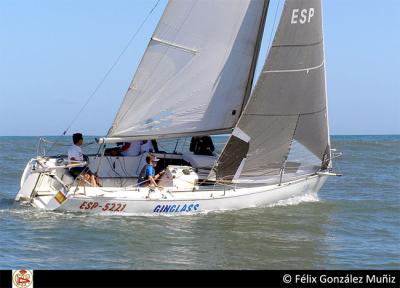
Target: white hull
column 128, row 200
column 239, row 199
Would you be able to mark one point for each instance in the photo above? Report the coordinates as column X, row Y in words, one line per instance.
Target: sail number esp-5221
column 112, row 207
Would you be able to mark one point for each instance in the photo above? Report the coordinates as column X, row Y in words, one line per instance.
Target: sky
column 53, row 54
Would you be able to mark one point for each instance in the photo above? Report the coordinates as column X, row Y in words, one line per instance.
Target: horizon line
column 91, row 135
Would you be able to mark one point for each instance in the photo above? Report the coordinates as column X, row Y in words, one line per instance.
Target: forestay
column 193, row 76
column 287, row 104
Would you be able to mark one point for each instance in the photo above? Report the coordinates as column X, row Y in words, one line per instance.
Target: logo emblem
column 22, row 279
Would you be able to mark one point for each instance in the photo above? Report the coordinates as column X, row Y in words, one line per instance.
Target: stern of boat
column 43, row 183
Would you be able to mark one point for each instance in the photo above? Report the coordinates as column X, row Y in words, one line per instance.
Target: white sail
column 195, row 72
column 195, row 78
column 288, row 102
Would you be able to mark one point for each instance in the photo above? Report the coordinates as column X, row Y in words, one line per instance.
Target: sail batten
column 194, row 51
column 195, row 71
column 297, row 45
column 295, row 70
column 294, row 114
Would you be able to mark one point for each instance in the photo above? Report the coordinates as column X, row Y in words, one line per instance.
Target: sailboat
column 196, row 79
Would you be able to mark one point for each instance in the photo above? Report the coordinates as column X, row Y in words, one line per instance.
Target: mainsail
column 195, row 72
column 288, row 103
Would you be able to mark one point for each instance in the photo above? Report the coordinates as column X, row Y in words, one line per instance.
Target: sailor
column 202, row 145
column 75, row 156
column 131, row 148
column 147, row 146
column 148, row 176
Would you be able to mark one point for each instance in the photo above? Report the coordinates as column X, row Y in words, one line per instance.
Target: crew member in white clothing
column 130, row 149
column 75, row 156
column 146, row 146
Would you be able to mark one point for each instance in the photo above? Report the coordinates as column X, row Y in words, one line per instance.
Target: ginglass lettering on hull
column 176, row 208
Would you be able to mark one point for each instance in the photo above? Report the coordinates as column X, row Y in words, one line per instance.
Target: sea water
column 353, row 223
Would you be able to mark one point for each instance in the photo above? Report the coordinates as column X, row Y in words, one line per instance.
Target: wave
column 296, row 200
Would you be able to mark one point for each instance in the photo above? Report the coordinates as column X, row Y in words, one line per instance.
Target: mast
column 256, row 54
column 327, row 159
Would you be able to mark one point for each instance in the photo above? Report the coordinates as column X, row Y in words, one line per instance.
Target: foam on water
column 296, row 200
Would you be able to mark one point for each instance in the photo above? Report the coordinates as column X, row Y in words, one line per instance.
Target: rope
column 108, row 72
column 112, row 67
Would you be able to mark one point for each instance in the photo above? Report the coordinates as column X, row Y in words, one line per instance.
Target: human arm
column 125, row 147
column 152, row 177
column 73, row 160
column 152, row 181
column 157, row 176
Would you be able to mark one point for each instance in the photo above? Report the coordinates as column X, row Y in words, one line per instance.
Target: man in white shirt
column 146, row 146
column 75, row 156
column 131, row 148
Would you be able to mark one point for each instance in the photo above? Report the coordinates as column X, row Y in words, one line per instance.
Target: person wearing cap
column 148, row 176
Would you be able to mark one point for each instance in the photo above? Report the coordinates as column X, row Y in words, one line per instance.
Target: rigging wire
column 109, row 70
column 112, row 67
column 61, row 144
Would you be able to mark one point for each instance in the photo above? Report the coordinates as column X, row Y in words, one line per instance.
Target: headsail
column 288, row 102
column 194, row 73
